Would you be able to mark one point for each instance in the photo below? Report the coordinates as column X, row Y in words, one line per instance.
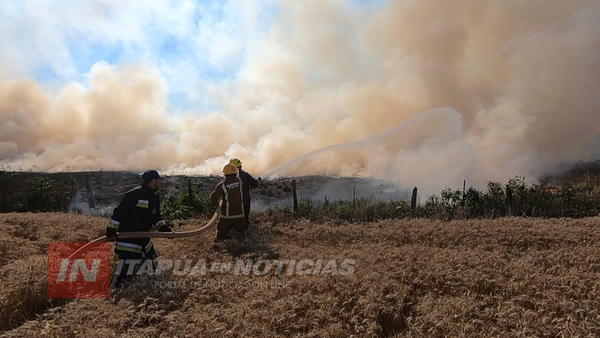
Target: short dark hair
column 150, row 175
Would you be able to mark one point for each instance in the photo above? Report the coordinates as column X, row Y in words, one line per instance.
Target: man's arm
column 251, row 181
column 216, row 194
column 120, row 214
column 157, row 219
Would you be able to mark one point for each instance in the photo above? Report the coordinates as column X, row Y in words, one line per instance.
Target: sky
column 467, row 90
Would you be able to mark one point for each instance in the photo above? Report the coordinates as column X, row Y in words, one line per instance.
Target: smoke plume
column 521, row 78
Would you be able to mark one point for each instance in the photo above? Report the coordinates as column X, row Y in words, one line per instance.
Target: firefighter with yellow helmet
column 232, row 210
column 247, row 182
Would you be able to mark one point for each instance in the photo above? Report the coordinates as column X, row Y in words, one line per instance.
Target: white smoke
column 521, row 75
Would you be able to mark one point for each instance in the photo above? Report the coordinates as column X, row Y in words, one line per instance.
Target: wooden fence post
column 90, row 193
column 295, row 196
column 413, row 202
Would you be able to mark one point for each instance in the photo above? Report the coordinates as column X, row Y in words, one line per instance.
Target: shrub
column 494, row 200
column 305, row 208
column 180, row 206
column 474, row 203
column 44, row 194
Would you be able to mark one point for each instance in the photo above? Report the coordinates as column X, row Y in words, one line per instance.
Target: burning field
column 502, row 277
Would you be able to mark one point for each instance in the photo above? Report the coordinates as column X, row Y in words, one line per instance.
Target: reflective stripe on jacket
column 230, row 190
column 134, row 245
column 139, row 210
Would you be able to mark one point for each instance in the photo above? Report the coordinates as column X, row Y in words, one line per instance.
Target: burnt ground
column 108, row 188
column 17, row 189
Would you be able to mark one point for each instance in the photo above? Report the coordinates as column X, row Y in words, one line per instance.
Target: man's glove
column 165, row 228
column 260, row 179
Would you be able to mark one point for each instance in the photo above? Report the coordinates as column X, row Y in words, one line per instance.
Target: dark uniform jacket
column 230, row 190
column 248, row 181
column 138, row 211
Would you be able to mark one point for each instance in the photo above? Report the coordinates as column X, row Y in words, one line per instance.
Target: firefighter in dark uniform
column 232, row 210
column 247, row 182
column 138, row 211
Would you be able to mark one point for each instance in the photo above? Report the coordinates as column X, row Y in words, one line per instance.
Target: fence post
column 90, row 193
column 464, row 191
column 294, row 196
column 413, row 202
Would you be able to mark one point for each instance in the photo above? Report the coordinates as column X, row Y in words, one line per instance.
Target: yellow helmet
column 229, row 169
column 236, row 162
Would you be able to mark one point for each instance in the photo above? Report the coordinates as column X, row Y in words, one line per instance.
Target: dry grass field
column 511, row 277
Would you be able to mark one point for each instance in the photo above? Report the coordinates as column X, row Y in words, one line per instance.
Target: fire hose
column 170, row 235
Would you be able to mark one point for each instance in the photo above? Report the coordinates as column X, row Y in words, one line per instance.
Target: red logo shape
column 86, row 275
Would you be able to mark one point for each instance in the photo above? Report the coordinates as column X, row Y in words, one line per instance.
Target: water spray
column 438, row 113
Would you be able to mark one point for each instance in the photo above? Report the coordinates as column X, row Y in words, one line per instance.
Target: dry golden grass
column 507, row 277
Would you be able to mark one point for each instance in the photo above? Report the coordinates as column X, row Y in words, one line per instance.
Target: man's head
column 236, row 162
column 229, row 169
column 151, row 178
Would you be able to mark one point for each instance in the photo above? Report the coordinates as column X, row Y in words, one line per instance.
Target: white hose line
column 147, row 234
